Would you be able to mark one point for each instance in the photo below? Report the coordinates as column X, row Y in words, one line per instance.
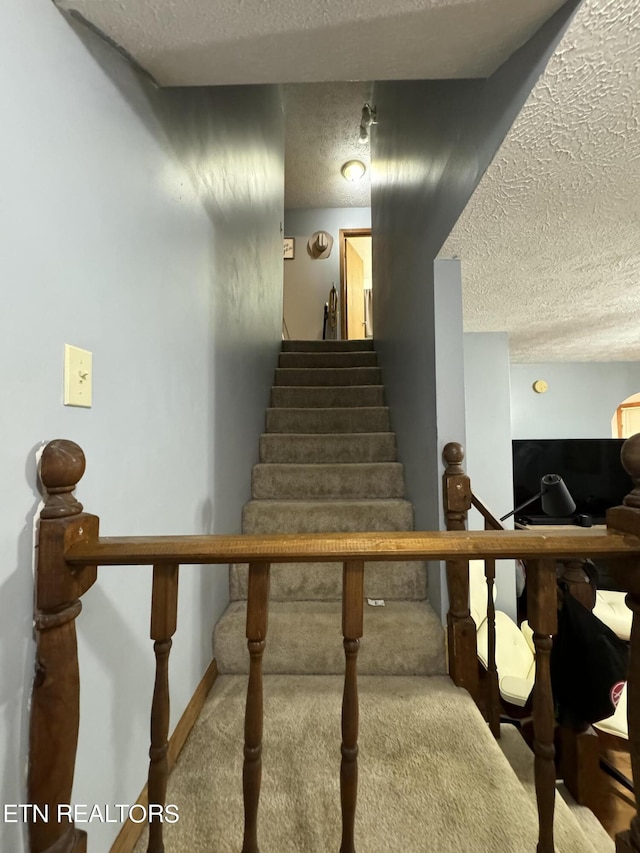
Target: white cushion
column 611, row 609
column 617, row 723
column 514, row 659
column 516, row 690
column 527, row 632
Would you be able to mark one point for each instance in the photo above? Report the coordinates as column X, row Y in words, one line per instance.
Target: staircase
column 328, row 463
column 432, row 778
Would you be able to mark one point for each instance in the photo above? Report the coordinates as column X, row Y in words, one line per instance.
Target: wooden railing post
column 352, row 629
column 493, row 710
column 543, row 617
column 55, row 700
column 627, row 574
column 164, row 615
column 461, row 629
column 257, row 621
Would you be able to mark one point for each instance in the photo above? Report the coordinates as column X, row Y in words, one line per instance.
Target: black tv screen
column 590, row 467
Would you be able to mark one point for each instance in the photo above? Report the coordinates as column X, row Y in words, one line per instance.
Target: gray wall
column 581, row 400
column 144, row 226
column 488, row 450
column 307, row 282
column 433, row 142
column 449, row 383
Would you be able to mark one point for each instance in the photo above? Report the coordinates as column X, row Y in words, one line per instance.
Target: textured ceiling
column 197, row 42
column 550, row 241
column 321, row 133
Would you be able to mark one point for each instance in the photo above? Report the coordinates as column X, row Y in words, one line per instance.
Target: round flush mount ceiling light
column 353, row 170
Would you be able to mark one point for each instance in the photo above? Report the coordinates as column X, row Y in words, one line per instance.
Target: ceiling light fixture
column 368, row 118
column 353, row 170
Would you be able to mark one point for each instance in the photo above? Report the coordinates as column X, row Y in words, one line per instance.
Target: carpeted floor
column 431, row 776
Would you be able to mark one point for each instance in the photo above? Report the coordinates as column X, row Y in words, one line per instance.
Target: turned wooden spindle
column 164, row 616
column 257, row 621
column 492, row 669
column 626, row 518
column 461, row 629
column 543, row 618
column 55, row 699
column 352, row 630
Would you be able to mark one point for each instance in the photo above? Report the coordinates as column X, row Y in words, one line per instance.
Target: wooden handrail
column 70, row 549
column 491, row 522
column 338, row 547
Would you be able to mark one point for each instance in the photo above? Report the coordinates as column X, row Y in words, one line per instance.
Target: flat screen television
column 590, row 467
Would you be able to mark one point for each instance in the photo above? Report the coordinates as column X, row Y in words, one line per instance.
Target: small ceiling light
column 353, row 170
column 368, row 118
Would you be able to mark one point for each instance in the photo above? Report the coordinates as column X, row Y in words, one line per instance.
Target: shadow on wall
column 227, row 144
column 16, row 621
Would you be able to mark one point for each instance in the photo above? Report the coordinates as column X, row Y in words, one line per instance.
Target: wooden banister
column 338, row 547
column 626, row 518
column 164, row 616
column 352, row 629
column 490, row 521
column 493, row 699
column 543, row 618
column 55, row 698
column 257, row 621
column 461, row 629
column 70, row 549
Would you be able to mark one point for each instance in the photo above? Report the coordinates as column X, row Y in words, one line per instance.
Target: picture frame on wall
column 289, row 248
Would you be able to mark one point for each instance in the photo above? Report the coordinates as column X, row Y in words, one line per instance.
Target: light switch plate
column 78, row 366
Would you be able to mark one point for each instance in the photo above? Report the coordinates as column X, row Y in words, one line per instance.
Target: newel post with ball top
column 55, row 699
column 461, row 629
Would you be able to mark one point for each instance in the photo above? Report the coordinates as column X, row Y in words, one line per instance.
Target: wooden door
column 355, row 293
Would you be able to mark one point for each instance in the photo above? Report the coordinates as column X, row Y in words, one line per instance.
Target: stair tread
column 343, row 504
column 354, row 345
column 319, row 396
column 339, row 467
column 327, row 376
column 322, row 420
column 338, row 447
column 333, row 409
column 392, row 580
column 328, row 359
column 402, row 638
column 327, row 481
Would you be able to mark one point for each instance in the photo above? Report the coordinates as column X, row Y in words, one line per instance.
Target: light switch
column 77, row 376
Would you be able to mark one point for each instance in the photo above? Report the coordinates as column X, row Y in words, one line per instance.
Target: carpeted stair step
column 328, row 346
column 338, row 447
column 362, row 419
column 315, row 396
column 304, row 638
column 328, row 376
column 340, row 481
column 391, row 581
column 334, row 360
column 322, row 516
